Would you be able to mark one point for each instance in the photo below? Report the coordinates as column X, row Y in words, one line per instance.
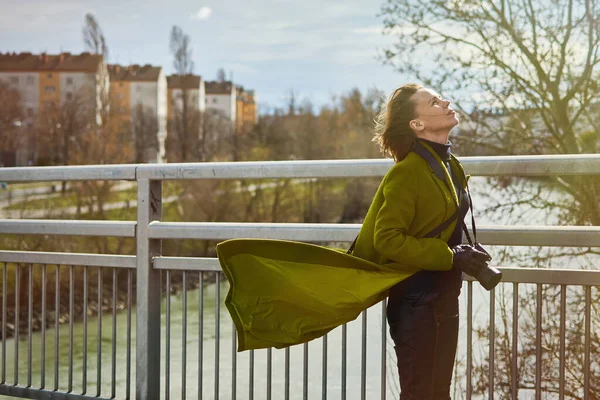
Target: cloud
column 369, row 30
column 202, row 14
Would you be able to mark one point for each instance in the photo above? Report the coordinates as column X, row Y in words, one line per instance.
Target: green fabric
column 284, row 293
column 409, row 203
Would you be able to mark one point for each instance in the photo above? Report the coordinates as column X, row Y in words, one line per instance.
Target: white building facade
column 221, row 97
column 144, row 86
column 44, row 81
column 194, row 88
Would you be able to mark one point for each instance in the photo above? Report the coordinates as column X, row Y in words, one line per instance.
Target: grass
column 69, row 200
column 30, row 185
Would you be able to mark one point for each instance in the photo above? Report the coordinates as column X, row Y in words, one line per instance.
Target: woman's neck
column 436, row 137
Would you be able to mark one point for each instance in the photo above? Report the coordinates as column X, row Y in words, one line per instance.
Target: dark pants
column 424, row 327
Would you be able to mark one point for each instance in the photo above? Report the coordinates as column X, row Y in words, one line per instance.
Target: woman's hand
column 469, row 259
column 473, row 260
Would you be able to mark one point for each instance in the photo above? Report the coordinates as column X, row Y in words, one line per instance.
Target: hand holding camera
column 473, row 260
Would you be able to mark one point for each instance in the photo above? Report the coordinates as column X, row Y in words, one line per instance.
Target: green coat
column 284, row 293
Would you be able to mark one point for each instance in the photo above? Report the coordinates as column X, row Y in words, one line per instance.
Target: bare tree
column 215, row 141
column 94, row 41
column 145, row 132
column 510, row 55
column 185, row 124
column 12, row 124
column 61, row 128
column 221, row 75
column 106, row 142
column 180, row 45
column 93, row 38
column 526, row 73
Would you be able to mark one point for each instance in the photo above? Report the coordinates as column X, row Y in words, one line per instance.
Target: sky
column 317, row 48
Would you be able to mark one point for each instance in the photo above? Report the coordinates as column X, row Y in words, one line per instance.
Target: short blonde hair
column 392, row 131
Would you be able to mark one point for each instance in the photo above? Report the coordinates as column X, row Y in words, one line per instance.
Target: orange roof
column 188, row 81
column 133, row 72
column 84, row 62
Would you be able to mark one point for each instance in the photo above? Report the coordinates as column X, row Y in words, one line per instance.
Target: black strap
column 464, row 226
column 440, row 174
column 352, row 245
column 437, row 168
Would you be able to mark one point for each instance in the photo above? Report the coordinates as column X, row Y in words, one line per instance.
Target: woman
column 400, row 226
column 284, row 293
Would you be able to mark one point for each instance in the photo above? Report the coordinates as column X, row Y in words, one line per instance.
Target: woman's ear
column 416, row 125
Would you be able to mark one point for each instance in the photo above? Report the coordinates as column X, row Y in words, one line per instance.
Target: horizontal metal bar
column 229, row 230
column 67, row 227
column 580, row 164
column 568, row 164
column 187, row 263
column 114, row 172
column 571, row 236
column 549, row 276
column 43, row 394
column 564, row 164
column 267, row 169
column 82, row 259
column 562, row 236
column 516, row 275
column 567, row 236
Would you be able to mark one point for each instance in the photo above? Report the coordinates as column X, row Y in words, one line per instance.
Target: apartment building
column 246, row 110
column 234, row 103
column 192, row 85
column 45, row 82
column 221, row 97
column 141, row 87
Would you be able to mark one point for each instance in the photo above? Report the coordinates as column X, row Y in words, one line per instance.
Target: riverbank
column 93, row 304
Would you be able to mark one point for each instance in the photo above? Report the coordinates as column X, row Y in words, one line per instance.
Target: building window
column 30, row 112
column 121, row 84
column 69, row 96
column 121, row 96
column 49, row 89
column 14, row 80
column 69, row 81
column 215, row 100
column 50, row 75
column 30, row 80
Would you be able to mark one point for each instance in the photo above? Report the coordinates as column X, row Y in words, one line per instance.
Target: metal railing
column 154, row 362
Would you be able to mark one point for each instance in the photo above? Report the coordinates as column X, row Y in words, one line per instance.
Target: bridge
column 352, row 362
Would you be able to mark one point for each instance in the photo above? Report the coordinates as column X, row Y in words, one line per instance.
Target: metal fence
column 348, row 363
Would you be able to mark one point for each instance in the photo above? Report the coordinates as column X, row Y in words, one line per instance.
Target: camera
column 488, row 276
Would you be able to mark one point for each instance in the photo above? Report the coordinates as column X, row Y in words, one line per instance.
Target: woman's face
column 432, row 113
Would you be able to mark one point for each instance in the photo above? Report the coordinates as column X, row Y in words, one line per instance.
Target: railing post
column 148, row 292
